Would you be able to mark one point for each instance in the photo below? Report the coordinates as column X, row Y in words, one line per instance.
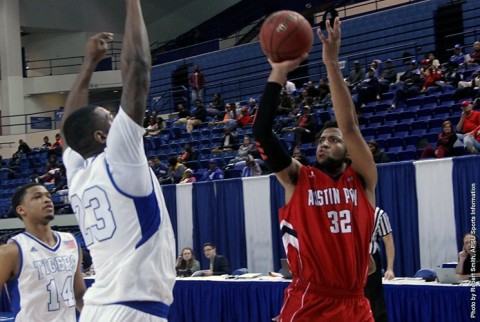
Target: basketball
column 285, row 35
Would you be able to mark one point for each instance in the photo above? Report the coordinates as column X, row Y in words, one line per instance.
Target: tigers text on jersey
column 43, row 289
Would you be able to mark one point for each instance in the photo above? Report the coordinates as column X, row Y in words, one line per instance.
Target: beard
column 330, row 165
column 49, row 217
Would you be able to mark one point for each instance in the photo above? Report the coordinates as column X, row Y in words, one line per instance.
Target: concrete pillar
column 11, row 67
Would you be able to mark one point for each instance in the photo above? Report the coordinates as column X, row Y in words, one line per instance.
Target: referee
column 374, row 287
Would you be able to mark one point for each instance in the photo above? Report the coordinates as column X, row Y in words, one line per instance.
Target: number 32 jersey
column 326, row 229
column 43, row 289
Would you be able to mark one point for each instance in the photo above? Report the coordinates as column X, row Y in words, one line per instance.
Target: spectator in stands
column 60, row 179
column 174, row 173
column 469, row 121
column 367, row 90
column 433, row 61
column 13, row 166
column 228, row 142
column 244, row 118
column 243, row 151
column 468, row 259
column 197, row 84
column 156, row 126
column 199, row 116
column 186, row 263
column 356, row 75
column 57, row 145
column 159, row 169
column 376, row 65
column 217, row 106
column 229, row 119
column 52, row 166
column 305, row 127
column 213, row 173
column 252, row 168
column 188, row 176
column 388, row 76
column 468, row 89
column 298, row 155
column 432, row 76
column 378, row 155
column 290, row 87
column 183, row 113
column 188, row 154
column 471, row 140
column 446, row 140
column 23, row 147
column 287, row 104
column 458, row 58
column 451, row 74
column 311, row 90
column 409, row 85
column 46, row 144
column 219, row 264
column 324, row 98
column 474, row 56
column 252, row 106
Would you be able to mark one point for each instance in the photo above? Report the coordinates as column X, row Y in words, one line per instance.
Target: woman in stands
column 186, row 263
column 445, row 142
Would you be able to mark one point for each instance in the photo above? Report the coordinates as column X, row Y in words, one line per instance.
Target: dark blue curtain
column 230, row 222
column 466, row 194
column 396, row 193
column 277, row 200
column 170, row 196
column 204, row 214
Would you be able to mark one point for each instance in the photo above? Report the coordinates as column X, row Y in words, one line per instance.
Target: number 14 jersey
column 326, row 229
column 43, row 289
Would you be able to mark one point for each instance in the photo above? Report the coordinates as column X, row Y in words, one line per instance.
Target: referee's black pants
column 374, row 292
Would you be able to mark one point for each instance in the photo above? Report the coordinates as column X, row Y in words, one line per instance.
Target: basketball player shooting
column 114, row 194
column 328, row 218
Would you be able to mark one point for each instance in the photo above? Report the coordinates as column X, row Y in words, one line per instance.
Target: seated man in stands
column 219, row 264
column 244, row 118
column 474, row 56
column 469, row 121
column 213, row 173
column 23, row 147
column 356, row 75
column 388, row 76
column 252, row 168
column 216, row 107
column 367, row 90
column 46, row 144
column 458, row 57
column 228, row 142
column 409, row 85
column 287, row 104
column 468, row 259
column 378, row 155
column 305, row 128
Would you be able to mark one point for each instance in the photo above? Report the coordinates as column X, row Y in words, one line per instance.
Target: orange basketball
column 286, row 35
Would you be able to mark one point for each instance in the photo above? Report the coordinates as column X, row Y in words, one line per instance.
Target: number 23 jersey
column 326, row 229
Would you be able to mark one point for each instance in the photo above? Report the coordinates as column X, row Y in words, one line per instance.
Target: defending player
column 40, row 266
column 116, row 198
column 328, row 219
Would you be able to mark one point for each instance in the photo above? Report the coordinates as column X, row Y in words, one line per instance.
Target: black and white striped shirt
column 381, row 228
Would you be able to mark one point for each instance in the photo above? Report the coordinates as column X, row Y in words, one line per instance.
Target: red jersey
column 327, row 228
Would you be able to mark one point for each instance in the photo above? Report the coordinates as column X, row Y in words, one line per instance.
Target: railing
column 30, row 123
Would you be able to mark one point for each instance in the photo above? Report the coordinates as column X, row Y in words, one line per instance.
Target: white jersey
column 123, row 218
column 43, row 289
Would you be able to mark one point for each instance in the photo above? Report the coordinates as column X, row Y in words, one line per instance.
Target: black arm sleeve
column 268, row 145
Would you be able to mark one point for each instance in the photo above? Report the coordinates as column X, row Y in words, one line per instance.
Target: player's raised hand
column 331, row 42
column 97, row 46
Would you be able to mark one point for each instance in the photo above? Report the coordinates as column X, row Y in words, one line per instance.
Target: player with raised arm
column 114, row 194
column 328, row 218
column 41, row 267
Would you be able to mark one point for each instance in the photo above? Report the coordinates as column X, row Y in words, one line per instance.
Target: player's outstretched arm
column 285, row 167
column 10, row 259
column 362, row 159
column 95, row 51
column 135, row 59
